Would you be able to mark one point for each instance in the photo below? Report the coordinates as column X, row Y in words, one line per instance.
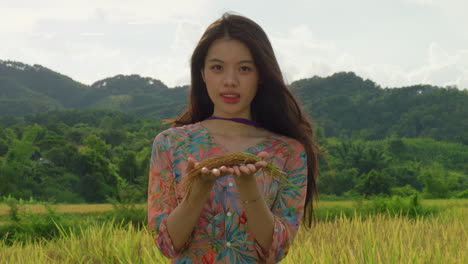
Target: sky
column 394, row 43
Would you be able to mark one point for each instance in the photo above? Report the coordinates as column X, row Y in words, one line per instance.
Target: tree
column 96, row 143
column 128, row 168
column 438, row 182
column 98, row 177
column 337, row 183
column 374, row 183
column 3, row 147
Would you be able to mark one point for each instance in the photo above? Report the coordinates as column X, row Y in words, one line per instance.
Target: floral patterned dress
column 222, row 233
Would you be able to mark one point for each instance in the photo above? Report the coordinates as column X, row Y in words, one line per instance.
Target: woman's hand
column 246, row 171
column 208, row 177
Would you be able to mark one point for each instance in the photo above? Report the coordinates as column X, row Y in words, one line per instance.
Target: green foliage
column 128, row 168
column 79, row 156
column 374, row 183
column 14, row 211
column 462, row 195
column 125, row 209
column 343, row 105
column 438, row 182
column 29, row 227
column 404, row 191
column 337, row 183
column 395, row 206
column 347, row 106
column 74, row 156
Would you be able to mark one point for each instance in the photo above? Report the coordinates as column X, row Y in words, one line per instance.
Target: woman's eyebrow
column 240, row 62
column 246, row 61
column 216, row 60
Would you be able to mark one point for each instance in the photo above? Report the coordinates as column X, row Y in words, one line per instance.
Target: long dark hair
column 285, row 118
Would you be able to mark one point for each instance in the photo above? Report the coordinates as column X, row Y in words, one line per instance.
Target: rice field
column 379, row 239
column 96, row 208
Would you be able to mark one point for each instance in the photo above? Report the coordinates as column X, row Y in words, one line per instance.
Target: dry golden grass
column 441, row 239
column 445, row 202
column 380, row 239
column 63, row 208
column 97, row 208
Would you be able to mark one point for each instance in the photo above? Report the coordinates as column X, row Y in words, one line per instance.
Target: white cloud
column 302, row 55
column 443, row 68
column 92, row 39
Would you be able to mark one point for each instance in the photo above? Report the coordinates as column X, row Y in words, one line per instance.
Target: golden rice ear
column 232, row 159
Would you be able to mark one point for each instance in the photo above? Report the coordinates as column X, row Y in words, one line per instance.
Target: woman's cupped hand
column 209, row 176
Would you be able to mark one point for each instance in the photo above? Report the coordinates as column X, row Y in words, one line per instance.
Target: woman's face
column 231, row 78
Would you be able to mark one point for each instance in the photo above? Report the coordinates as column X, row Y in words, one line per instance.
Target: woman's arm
column 274, row 230
column 182, row 220
column 261, row 220
column 171, row 222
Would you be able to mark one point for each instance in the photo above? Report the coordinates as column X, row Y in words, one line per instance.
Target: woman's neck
column 231, row 129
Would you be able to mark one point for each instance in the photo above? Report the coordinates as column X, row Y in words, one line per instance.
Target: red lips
column 232, row 99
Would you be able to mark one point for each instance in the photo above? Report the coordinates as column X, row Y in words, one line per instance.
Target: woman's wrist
column 200, row 192
column 248, row 190
column 244, row 202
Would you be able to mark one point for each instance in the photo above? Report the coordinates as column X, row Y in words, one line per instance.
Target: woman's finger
column 244, row 169
column 215, row 172
column 263, row 155
column 223, row 169
column 252, row 168
column 261, row 164
column 236, row 170
column 190, row 164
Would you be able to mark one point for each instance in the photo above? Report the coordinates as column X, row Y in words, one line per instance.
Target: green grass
column 346, row 231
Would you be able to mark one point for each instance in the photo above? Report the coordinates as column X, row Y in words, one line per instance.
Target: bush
column 331, row 197
column 32, row 227
column 462, row 195
column 396, row 206
column 14, row 211
column 404, row 191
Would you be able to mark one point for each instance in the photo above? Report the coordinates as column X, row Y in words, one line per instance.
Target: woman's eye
column 216, row 67
column 245, row 69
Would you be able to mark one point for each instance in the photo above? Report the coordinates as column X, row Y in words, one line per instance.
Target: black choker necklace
column 238, row 120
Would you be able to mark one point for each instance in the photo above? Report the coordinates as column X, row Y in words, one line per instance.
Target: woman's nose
column 230, row 78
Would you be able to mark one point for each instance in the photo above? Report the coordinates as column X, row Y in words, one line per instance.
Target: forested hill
column 28, row 89
column 345, row 105
column 342, row 105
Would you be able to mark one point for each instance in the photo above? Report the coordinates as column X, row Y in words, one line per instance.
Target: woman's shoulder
column 292, row 144
column 178, row 132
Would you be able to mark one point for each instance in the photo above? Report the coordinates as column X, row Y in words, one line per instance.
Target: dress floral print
column 222, row 233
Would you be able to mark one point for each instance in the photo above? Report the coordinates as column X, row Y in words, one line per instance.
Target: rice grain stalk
column 230, row 160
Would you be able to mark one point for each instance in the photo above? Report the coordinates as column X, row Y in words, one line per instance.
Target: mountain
column 142, row 96
column 43, row 81
column 26, row 89
column 343, row 105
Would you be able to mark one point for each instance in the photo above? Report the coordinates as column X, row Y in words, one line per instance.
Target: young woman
column 238, row 102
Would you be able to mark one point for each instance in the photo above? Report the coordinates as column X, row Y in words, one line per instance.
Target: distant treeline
column 90, row 156
column 343, row 105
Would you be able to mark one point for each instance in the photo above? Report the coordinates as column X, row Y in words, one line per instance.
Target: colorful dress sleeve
column 162, row 197
column 289, row 206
